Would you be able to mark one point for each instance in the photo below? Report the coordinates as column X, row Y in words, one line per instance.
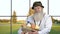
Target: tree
column 31, row 12
column 53, row 20
column 14, row 19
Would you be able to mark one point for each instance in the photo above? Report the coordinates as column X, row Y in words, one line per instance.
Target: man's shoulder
column 46, row 16
column 30, row 16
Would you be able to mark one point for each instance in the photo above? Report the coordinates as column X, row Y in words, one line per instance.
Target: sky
column 22, row 8
column 54, row 7
column 5, row 8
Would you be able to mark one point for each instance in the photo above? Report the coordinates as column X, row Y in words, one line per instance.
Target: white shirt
column 38, row 23
column 45, row 25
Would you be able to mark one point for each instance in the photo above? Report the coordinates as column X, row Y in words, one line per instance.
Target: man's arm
column 27, row 21
column 20, row 31
column 48, row 26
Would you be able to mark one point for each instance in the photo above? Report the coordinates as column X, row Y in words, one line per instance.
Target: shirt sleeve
column 20, row 31
column 48, row 26
column 29, row 20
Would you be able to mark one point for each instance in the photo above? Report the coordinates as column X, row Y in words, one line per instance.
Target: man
column 39, row 18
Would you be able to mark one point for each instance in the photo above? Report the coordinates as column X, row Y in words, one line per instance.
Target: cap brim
column 41, row 6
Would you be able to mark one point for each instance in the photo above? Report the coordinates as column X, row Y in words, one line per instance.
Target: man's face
column 38, row 9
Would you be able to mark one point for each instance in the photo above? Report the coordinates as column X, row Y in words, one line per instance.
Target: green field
column 5, row 29
column 55, row 29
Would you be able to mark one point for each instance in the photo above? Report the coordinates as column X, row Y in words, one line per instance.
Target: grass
column 5, row 29
column 15, row 28
column 55, row 29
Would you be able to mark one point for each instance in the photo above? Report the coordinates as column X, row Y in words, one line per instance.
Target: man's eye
column 38, row 8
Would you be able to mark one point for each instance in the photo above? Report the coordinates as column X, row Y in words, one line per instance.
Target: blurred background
column 13, row 13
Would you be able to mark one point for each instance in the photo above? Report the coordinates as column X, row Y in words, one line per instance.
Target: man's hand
column 30, row 32
column 35, row 32
column 23, row 32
